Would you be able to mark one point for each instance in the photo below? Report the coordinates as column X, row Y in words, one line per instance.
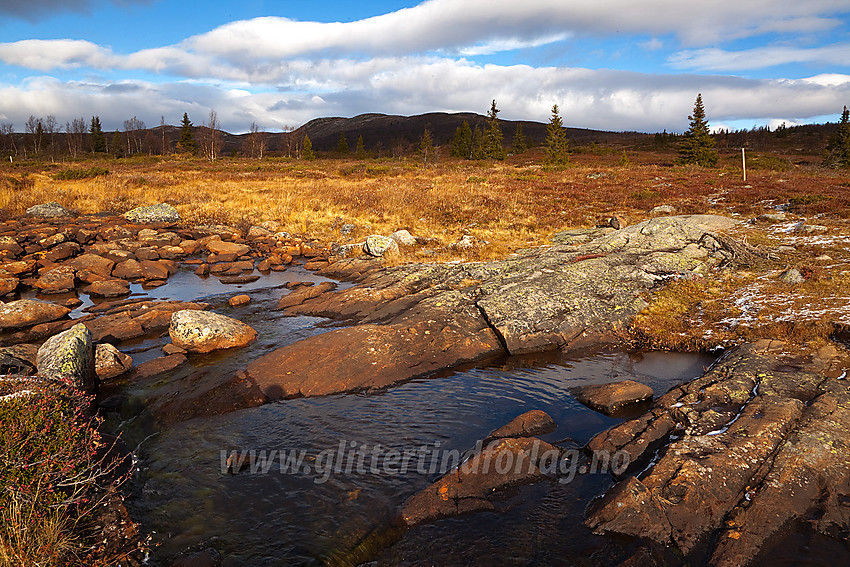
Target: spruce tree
column 98, row 140
column 307, row 149
column 838, row 149
column 186, row 143
column 493, row 136
column 556, row 144
column 117, row 148
column 462, row 142
column 697, row 147
column 360, row 150
column 342, row 144
column 426, row 146
column 520, row 144
column 477, row 150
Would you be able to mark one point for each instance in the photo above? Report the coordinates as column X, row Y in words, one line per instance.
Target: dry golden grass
column 511, row 205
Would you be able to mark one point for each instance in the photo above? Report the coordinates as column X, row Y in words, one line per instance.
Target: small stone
column 110, row 362
column 239, row 300
column 222, row 247
column 773, row 217
column 792, row 276
column 173, row 349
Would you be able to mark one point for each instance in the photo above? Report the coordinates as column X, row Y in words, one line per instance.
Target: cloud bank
column 278, row 71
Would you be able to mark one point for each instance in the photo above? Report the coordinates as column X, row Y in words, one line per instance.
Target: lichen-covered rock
column 203, row 331
column 57, row 280
column 110, row 362
column 161, row 213
column 49, row 210
column 757, row 443
column 29, row 312
column 377, row 245
column 69, row 356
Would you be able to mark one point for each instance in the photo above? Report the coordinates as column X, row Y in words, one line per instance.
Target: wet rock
column 93, row 263
column 202, row 270
column 172, row 349
column 18, row 359
column 115, row 328
column 58, row 280
column 8, row 285
column 369, row 357
column 110, row 362
column 237, row 300
column 146, row 253
column 529, row 424
column 472, row 485
column 238, row 279
column 156, row 366
column 608, row 398
column 304, row 293
column 221, row 247
column 403, row 238
column 203, row 331
column 378, row 246
column 128, row 270
column 109, row 288
column 29, row 312
column 49, row 210
column 69, row 356
column 18, row 268
column 791, row 276
column 726, row 487
column 161, row 213
column 157, row 269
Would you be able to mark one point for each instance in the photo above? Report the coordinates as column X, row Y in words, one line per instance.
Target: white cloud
column 713, row 59
column 607, row 100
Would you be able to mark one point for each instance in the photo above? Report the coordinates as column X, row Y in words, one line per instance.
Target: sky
column 622, row 65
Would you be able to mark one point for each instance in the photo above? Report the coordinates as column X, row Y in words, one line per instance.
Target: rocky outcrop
column 69, row 356
column 203, row 331
column 735, row 457
column 415, row 319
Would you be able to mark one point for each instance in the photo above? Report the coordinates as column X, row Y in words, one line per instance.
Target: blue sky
column 608, row 64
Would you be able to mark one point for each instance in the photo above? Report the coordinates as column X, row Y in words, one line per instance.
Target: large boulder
column 29, row 312
column 161, row 213
column 204, row 331
column 49, row 210
column 69, row 356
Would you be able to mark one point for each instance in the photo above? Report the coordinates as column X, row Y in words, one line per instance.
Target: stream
column 183, row 496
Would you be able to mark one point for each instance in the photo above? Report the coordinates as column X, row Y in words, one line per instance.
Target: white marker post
column 744, row 163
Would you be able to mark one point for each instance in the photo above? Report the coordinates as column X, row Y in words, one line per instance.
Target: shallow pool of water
column 297, row 518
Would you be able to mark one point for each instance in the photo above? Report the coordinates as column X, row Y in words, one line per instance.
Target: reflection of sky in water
column 284, row 519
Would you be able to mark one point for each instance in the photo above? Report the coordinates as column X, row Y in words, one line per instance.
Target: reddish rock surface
column 609, row 398
column 202, row 331
column 529, row 424
column 29, row 312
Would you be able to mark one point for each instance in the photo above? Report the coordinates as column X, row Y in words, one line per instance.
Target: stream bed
column 183, row 495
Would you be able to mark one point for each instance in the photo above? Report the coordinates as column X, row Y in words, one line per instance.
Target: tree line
column 47, row 138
